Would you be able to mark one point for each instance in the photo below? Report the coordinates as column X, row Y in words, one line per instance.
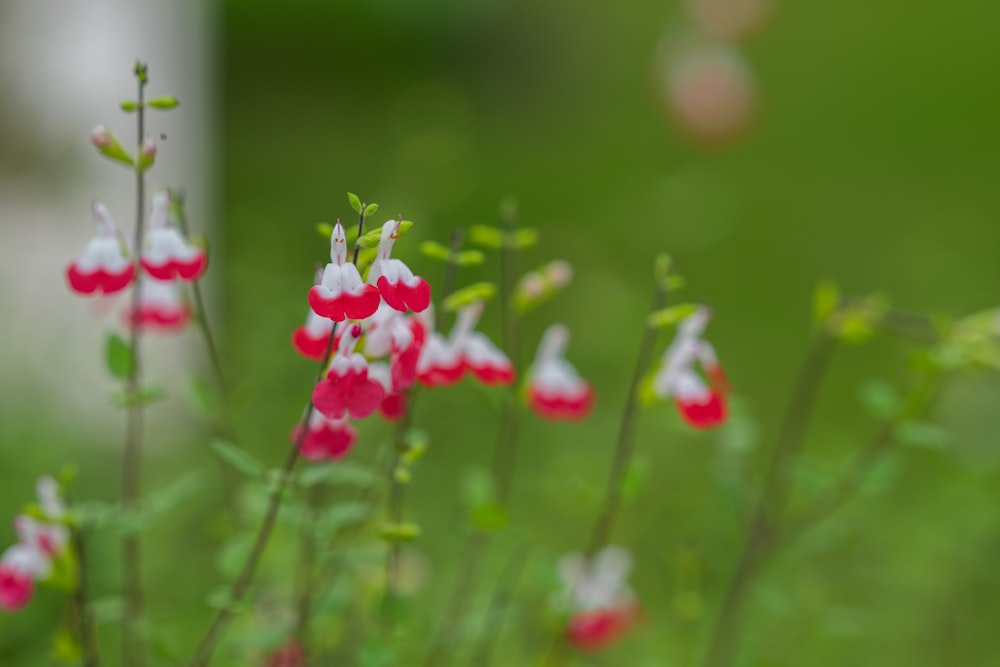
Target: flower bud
column 107, row 143
column 101, row 137
column 559, row 272
column 147, row 153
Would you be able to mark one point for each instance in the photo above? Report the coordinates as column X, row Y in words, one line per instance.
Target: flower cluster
column 41, row 542
column 166, row 258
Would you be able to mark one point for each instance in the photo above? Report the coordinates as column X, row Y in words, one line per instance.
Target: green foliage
column 670, row 316
column 469, row 295
column 238, row 458
column 164, row 103
column 370, row 209
column 128, row 106
column 143, row 397
column 337, row 473
column 355, row 202
column 118, row 357
column 371, row 239
column 324, row 229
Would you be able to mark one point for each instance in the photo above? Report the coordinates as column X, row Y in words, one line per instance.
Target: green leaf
column 324, row 229
column 484, row 235
column 173, row 494
column 233, row 555
column 435, row 250
column 923, row 434
column 238, row 458
column 470, row 258
column 145, row 396
column 118, row 355
column 355, row 202
column 371, row 239
column 370, row 209
column 164, row 103
column 128, row 106
column 204, row 397
column 826, row 300
column 662, row 267
column 879, row 398
column 524, row 238
column 399, row 532
column 343, row 515
column 336, row 473
column 65, row 648
column 489, row 517
column 469, row 295
column 669, row 317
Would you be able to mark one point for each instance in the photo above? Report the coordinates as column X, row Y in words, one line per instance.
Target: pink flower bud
column 148, row 149
column 101, row 137
column 560, row 273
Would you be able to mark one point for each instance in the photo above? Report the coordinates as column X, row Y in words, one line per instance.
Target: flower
column 601, row 606
column 20, row 566
column 103, row 266
column 326, row 439
column 341, row 294
column 168, row 254
column 393, row 405
column 444, row 361
column 161, row 306
column 289, row 654
column 396, row 283
column 390, row 333
column 555, row 389
column 701, row 405
column 347, row 387
column 312, row 339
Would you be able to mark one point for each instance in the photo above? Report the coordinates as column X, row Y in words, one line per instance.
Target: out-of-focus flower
column 347, row 389
column 480, row 356
column 20, row 566
column 167, row 254
column 399, row 287
column 327, row 439
column 701, row 404
column 555, row 389
column 103, row 267
column 289, row 654
column 312, row 338
column 161, row 306
column 393, row 405
column 710, row 92
column 390, row 333
column 341, row 294
column 600, row 604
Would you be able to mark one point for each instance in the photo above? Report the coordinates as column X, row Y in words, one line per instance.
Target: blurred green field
column 872, row 163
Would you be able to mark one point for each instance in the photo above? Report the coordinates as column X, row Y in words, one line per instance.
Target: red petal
column 16, row 589
column 417, row 297
column 705, row 414
column 99, row 280
column 569, row 407
column 328, row 397
column 595, row 630
column 362, row 306
column 442, row 376
column 393, row 407
column 332, row 308
column 493, row 375
column 363, row 398
column 173, row 268
column 309, row 346
column 392, row 294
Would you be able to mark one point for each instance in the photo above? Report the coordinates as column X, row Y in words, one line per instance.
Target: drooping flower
column 440, row 363
column 479, row 355
column 167, row 254
column 555, row 389
column 397, row 284
column 103, row 266
column 20, row 566
column 600, row 604
column 341, row 294
column 326, row 439
column 312, row 338
column 390, row 333
column 347, row 389
column 393, row 405
column 161, row 306
column 701, row 404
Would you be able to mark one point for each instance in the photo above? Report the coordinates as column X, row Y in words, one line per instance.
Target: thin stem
column 493, row 628
column 763, row 532
column 505, row 454
column 241, row 584
column 81, row 599
column 626, row 432
column 132, row 649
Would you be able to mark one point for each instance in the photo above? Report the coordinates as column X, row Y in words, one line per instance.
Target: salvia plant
column 381, row 337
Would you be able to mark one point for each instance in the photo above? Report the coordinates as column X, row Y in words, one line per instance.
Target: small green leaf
column 435, row 250
column 826, row 300
column 524, row 238
column 484, row 235
column 118, row 355
column 399, row 532
column 470, row 258
column 402, row 474
column 355, row 202
column 164, row 103
column 145, row 396
column 469, row 295
column 65, row 648
column 336, row 473
column 669, row 317
column 141, row 71
column 489, row 517
column 238, row 458
column 204, row 397
column 370, row 209
column 324, row 229
column 923, row 434
column 342, row 515
column 880, row 399
column 128, row 106
column 371, row 239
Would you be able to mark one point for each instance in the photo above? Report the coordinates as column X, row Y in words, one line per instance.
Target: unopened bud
column 147, row 153
column 107, row 143
column 101, row 137
column 559, row 272
column 532, row 285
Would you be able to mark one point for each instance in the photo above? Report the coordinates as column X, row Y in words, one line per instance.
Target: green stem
column 626, row 432
column 240, row 586
column 81, row 599
column 132, row 647
column 763, row 532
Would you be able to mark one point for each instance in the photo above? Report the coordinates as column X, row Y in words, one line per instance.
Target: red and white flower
column 341, row 294
column 702, row 404
column 103, row 266
column 440, row 363
column 555, row 389
column 600, row 603
column 397, row 284
column 390, row 333
column 479, row 355
column 167, row 254
column 20, row 567
column 161, row 306
column 393, row 405
column 347, row 389
column 326, row 439
column 312, row 338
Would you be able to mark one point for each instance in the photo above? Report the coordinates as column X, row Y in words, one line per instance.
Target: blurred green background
column 872, row 162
